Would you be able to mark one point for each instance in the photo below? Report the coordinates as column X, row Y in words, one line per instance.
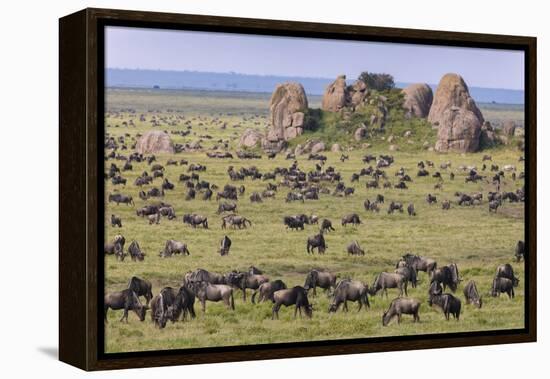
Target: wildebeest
column 506, row 271
column 472, row 295
column 410, row 210
column 399, row 307
column 116, row 221
column 141, row 287
column 120, row 198
column 317, row 241
column 195, row 220
column 520, row 251
column 409, row 273
column 214, row 292
column 202, row 275
column 168, row 212
column 116, row 247
column 225, row 245
column 173, row 247
column 135, row 252
column 501, row 285
column 235, row 221
column 317, row 278
column 227, row 207
column 158, row 313
column 431, row 199
column 154, row 218
column 266, row 290
column 127, row 300
column 244, row 280
column 354, row 249
column 352, row 218
column 446, row 205
column 292, row 296
column 446, row 276
column 420, row 263
column 386, row 280
column 395, row 206
column 349, row 290
column 293, row 222
column 326, row 225
column 493, row 205
column 183, row 304
column 148, row 210
column 448, row 303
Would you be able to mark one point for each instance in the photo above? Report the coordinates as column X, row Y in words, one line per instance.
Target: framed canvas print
column 240, row 189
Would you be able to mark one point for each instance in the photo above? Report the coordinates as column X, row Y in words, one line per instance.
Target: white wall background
column 28, row 156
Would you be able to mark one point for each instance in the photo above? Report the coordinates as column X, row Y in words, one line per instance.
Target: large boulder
column 360, row 133
column 452, row 91
column 287, row 106
column 357, row 93
column 250, row 138
column 418, row 100
column 508, row 128
column 459, row 131
column 335, row 97
column 155, row 141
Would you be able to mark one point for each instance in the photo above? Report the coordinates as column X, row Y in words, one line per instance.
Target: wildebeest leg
column 345, row 307
column 360, row 305
column 399, row 317
column 275, row 311
column 105, row 309
column 296, row 309
column 124, row 315
column 405, row 285
column 203, row 303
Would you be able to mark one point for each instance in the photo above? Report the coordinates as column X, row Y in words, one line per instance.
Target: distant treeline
column 259, row 83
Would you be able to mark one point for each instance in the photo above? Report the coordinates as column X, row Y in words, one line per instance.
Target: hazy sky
column 289, row 56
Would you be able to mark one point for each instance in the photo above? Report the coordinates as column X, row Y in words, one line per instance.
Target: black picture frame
column 81, row 78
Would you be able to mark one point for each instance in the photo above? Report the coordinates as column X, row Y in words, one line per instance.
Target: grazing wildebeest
column 354, row 249
column 448, row 303
column 472, row 295
column 349, row 290
column 158, row 313
column 120, row 198
column 493, row 205
column 326, row 225
column 323, row 279
column 267, row 289
column 500, row 285
column 316, row 241
column 447, row 276
column 446, row 205
column 244, row 280
column 173, row 247
column 293, row 296
column 352, row 218
column 410, row 210
column 225, row 245
column 235, row 221
column 183, row 304
column 116, row 221
column 148, row 210
column 520, row 251
column 399, row 307
column 168, row 212
column 431, row 199
column 195, row 220
column 141, row 287
column 202, row 275
column 409, row 273
column 116, row 247
column 380, row 199
column 395, row 206
column 214, row 292
column 127, row 300
column 420, row 263
column 506, row 271
column 227, row 207
column 135, row 252
column 386, row 280
column 293, row 222
column 154, row 219
column 256, row 198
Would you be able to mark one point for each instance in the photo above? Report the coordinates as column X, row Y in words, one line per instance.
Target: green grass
column 470, row 236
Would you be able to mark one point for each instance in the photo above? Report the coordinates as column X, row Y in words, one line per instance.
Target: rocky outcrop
column 459, row 131
column 338, row 95
column 488, row 137
column 287, row 106
column 418, row 100
column 360, row 133
column 250, row 138
column 452, row 91
column 155, row 141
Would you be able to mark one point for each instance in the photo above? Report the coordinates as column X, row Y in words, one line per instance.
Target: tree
column 379, row 82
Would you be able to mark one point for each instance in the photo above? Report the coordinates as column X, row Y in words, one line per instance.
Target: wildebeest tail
column 365, row 296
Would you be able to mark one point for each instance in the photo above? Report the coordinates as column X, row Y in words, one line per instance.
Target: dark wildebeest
column 201, row 275
column 448, row 303
column 235, row 221
column 227, row 207
column 225, row 245
column 214, row 292
column 168, row 212
column 127, row 300
column 386, row 280
column 254, row 271
column 395, row 206
column 141, row 287
column 116, row 221
column 500, row 285
column 135, row 252
column 493, row 205
column 120, row 198
column 506, row 271
column 322, row 279
column 326, row 225
column 352, row 218
column 447, row 276
column 472, row 295
column 446, row 205
column 354, row 249
column 520, row 251
column 410, row 210
column 116, row 247
column 420, row 263
column 244, row 280
column 293, row 223
column 267, row 289
column 351, row 290
column 431, row 199
column 409, row 273
column 154, row 219
column 316, row 241
column 195, row 220
column 293, row 296
column 183, row 304
column 158, row 313
column 401, row 306
column 173, row 247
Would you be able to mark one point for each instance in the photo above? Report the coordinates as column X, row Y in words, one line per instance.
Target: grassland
column 478, row 241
